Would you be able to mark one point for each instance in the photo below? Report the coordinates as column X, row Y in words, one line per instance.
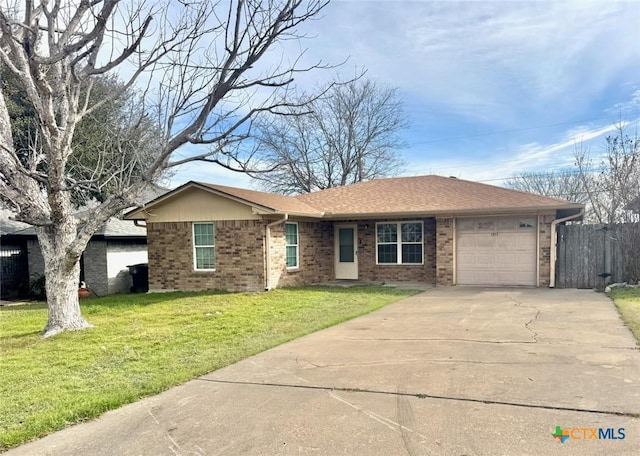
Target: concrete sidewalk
column 453, row 371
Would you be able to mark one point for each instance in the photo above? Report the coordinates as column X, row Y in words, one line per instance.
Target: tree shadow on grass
column 144, row 299
column 16, row 336
column 147, row 299
column 29, row 305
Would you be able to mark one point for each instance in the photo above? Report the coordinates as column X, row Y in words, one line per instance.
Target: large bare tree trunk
column 62, row 272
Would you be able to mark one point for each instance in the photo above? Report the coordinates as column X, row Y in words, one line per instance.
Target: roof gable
column 277, row 203
column 255, row 202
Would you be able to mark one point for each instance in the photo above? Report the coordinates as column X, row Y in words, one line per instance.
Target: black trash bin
column 140, row 275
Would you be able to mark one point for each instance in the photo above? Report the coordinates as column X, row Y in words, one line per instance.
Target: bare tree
column 351, row 134
column 196, row 64
column 564, row 184
column 611, row 180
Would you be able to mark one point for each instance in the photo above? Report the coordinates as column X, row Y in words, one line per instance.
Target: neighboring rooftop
column 114, row 227
column 9, row 226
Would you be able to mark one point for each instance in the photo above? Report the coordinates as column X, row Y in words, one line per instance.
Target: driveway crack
column 425, row 396
column 527, row 325
column 440, row 339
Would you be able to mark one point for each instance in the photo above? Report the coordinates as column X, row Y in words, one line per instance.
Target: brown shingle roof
column 426, row 195
column 421, row 195
column 275, row 202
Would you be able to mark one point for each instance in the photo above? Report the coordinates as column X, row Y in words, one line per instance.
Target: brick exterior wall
column 240, row 248
column 35, row 259
column 315, row 255
column 444, row 251
column 546, row 244
column 239, row 257
column 95, row 267
column 368, row 270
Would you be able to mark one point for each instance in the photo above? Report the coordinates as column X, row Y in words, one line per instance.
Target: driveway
column 452, row 371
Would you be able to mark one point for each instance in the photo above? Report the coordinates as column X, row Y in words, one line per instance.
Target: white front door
column 346, row 251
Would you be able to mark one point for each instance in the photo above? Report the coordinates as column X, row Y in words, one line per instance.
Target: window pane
column 387, row 232
column 388, row 253
column 203, row 234
column 412, row 253
column 291, row 233
column 346, row 254
column 412, row 232
column 527, row 223
column 205, row 258
column 486, row 225
column 292, row 256
column 345, row 240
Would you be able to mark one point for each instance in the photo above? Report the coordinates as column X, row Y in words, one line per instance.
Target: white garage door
column 496, row 251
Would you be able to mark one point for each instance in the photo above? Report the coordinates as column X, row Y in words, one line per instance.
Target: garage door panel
column 485, row 276
column 466, row 277
column 504, row 258
column 465, row 242
column 466, row 260
column 484, row 259
column 500, row 251
column 507, row 241
column 485, row 241
column 523, row 260
column 507, row 225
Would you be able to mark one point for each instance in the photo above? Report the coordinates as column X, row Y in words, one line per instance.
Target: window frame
column 196, row 247
column 296, row 245
column 399, row 243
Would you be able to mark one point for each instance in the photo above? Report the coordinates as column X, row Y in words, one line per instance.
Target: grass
column 627, row 300
column 144, row 344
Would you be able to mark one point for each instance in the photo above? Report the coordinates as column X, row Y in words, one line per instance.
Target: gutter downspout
column 267, row 253
column 553, row 252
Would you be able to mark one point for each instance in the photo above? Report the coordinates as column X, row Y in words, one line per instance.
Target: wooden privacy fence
column 591, row 256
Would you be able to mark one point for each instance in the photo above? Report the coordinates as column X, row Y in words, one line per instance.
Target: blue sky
column 490, row 89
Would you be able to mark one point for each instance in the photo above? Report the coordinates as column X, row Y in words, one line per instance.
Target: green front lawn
column 627, row 300
column 144, row 344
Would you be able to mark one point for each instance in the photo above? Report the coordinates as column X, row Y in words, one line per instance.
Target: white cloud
column 468, row 68
column 533, row 157
column 475, row 58
column 631, row 105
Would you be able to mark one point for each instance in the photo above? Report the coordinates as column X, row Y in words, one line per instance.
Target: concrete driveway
column 453, row 371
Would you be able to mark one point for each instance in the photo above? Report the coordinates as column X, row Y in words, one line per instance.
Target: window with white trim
column 291, row 242
column 399, row 243
column 204, row 247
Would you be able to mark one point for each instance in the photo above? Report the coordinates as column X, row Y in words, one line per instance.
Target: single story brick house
column 431, row 229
